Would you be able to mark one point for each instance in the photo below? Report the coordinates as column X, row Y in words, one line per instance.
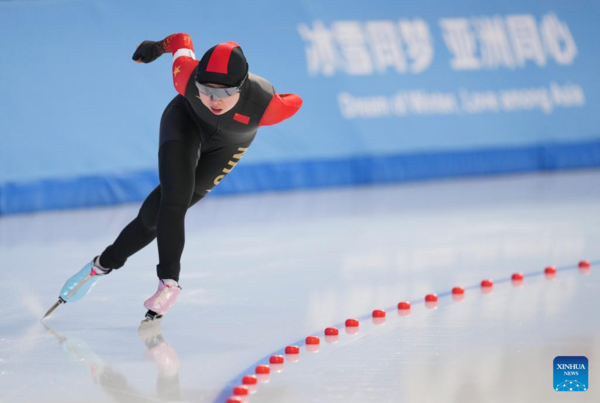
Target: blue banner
column 391, row 91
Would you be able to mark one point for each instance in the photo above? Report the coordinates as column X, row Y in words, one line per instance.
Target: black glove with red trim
column 148, row 51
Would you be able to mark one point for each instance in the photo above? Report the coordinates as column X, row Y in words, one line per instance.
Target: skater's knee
column 176, row 200
column 148, row 223
column 148, row 215
column 149, row 211
column 172, row 212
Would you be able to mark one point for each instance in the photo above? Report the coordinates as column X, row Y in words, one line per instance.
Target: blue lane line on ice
column 226, row 392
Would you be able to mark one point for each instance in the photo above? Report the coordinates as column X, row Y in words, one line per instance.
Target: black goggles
column 218, row 93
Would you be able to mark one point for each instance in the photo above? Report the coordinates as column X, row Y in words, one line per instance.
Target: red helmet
column 223, row 64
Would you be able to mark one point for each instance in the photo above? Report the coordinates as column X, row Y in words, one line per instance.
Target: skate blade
column 56, row 305
column 149, row 323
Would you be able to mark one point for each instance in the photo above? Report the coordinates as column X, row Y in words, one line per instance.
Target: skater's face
column 221, row 105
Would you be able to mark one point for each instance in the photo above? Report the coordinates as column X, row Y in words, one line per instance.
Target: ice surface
column 264, row 271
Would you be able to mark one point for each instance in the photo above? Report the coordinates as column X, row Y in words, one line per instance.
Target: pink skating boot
column 162, row 300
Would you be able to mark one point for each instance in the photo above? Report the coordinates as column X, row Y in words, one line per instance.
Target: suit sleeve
column 184, row 59
column 281, row 107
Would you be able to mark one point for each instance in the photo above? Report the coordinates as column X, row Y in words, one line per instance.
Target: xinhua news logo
column 571, row 374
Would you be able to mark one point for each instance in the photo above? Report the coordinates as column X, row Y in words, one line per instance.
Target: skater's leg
column 138, row 233
column 178, row 156
column 177, row 174
column 216, row 161
column 165, row 207
column 214, row 164
column 177, row 159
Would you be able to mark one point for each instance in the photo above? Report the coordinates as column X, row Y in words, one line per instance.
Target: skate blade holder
column 151, row 319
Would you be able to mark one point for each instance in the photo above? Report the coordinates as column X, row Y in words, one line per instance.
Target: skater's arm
column 281, row 107
column 184, row 60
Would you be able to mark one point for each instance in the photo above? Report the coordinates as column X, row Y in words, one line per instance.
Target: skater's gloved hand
column 148, row 51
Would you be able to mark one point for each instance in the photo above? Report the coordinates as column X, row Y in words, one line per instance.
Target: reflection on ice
column 115, row 383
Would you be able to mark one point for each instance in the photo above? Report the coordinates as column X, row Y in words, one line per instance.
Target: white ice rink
column 262, row 272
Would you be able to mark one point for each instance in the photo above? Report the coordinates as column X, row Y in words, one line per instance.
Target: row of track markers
column 249, row 382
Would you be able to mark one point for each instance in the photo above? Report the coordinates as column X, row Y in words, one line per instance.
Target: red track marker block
column 240, row 391
column 276, row 359
column 404, row 305
column 263, row 369
column 431, row 298
column 458, row 291
column 331, row 331
column 487, row 283
column 517, row 276
column 234, row 400
column 550, row 270
column 584, row 264
column 250, row 380
column 292, row 350
column 379, row 313
column 351, row 323
column 313, row 340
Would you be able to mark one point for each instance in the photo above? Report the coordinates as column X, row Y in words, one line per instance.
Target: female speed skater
column 204, row 132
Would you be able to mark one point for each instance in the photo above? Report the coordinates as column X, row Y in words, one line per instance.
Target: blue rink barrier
column 134, row 187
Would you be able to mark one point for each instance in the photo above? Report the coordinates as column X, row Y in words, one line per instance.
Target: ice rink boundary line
column 226, row 392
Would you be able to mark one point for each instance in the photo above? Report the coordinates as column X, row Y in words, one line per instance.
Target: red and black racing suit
column 197, row 150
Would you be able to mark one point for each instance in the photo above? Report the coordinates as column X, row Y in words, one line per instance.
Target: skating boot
column 162, row 300
column 80, row 284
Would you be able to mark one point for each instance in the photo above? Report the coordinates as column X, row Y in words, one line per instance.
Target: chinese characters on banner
column 406, row 46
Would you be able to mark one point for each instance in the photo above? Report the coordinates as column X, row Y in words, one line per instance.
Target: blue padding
column 52, row 194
